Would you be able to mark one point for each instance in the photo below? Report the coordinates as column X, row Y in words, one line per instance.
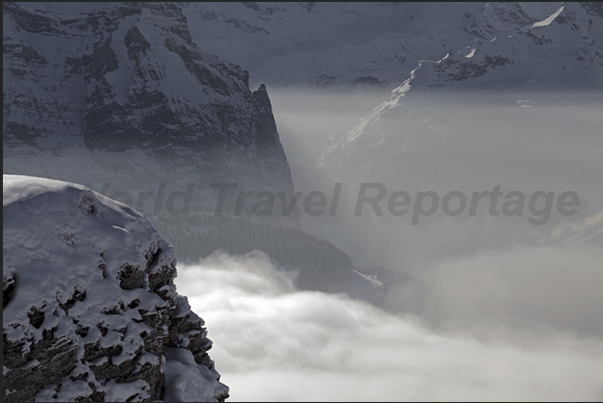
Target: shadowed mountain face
column 119, row 93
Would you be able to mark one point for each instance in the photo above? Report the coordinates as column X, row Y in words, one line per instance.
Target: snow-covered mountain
column 513, row 49
column 119, row 93
column 351, row 44
column 90, row 307
column 512, row 102
column 329, row 44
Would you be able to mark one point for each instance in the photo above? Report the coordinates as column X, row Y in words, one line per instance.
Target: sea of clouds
column 503, row 325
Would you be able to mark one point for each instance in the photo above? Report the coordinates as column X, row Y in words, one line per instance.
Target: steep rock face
column 119, row 93
column 91, row 312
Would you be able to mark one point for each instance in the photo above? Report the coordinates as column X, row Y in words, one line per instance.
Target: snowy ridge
column 394, row 100
column 90, row 307
column 549, row 19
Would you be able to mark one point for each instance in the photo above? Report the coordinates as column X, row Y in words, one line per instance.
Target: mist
column 462, row 141
column 548, row 288
column 273, row 343
column 493, row 308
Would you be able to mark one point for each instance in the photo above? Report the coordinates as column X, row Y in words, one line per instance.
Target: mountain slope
column 374, row 44
column 118, row 92
column 90, row 308
column 520, row 93
column 562, row 51
column 316, row 264
column 328, row 44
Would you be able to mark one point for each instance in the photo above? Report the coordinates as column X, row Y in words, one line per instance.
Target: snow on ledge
column 548, row 20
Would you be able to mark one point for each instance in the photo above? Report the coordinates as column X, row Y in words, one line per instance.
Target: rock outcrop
column 91, row 312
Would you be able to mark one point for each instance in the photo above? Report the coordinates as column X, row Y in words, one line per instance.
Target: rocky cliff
column 90, row 310
column 119, row 94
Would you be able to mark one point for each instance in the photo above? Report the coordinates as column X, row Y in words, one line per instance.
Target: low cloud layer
column 273, row 343
column 539, row 288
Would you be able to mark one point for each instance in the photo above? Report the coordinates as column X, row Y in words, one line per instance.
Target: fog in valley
column 482, row 307
column 273, row 343
column 467, row 142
